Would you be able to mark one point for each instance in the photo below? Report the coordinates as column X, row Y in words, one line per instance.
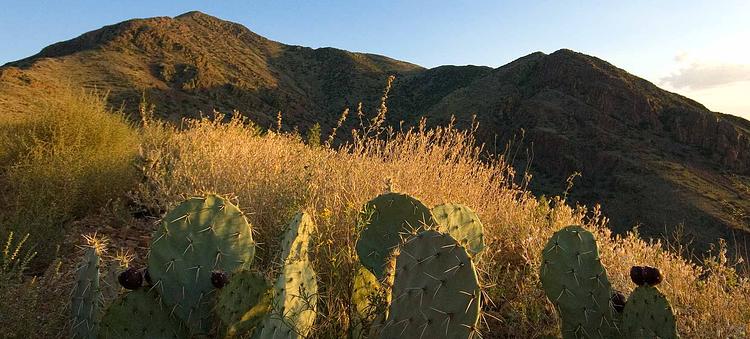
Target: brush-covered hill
column 648, row 156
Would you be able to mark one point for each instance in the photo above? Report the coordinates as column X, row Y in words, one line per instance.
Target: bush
column 68, row 157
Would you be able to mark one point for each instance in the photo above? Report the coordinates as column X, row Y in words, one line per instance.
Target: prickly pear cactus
column 294, row 303
column 368, row 300
column 243, row 303
column 86, row 299
column 386, row 284
column 648, row 314
column 139, row 314
column 576, row 282
column 436, row 292
column 463, row 225
column 111, row 288
column 199, row 236
column 388, row 218
column 296, row 239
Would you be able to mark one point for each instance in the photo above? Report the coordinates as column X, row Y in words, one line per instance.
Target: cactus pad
column 436, row 292
column 139, row 314
column 648, row 314
column 197, row 237
column 462, row 224
column 242, row 303
column 110, row 285
column 388, row 218
column 367, row 300
column 576, row 282
column 86, row 298
column 294, row 303
column 296, row 239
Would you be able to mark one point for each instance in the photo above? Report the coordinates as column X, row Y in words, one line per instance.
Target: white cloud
column 730, row 98
column 681, row 57
column 720, row 82
column 697, row 75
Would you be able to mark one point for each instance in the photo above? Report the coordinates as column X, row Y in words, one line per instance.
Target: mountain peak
column 209, row 21
column 566, row 51
column 147, row 34
column 195, row 14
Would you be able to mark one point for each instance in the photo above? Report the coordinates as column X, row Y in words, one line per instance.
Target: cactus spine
column 243, row 303
column 463, row 225
column 648, row 314
column 138, row 314
column 296, row 240
column 576, row 282
column 295, row 292
column 110, row 287
column 87, row 295
column 368, row 299
column 198, row 268
column 293, row 309
column 436, row 291
column 198, row 236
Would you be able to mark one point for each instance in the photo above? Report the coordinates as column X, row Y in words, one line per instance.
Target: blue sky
column 696, row 48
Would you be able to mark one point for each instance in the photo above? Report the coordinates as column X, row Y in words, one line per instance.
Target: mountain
column 195, row 62
column 649, row 157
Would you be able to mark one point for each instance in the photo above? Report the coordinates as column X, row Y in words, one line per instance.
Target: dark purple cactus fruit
column 147, row 277
column 636, row 275
column 219, row 278
column 131, row 278
column 618, row 301
column 651, row 275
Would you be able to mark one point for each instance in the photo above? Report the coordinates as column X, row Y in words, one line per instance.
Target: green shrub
column 313, row 135
column 69, row 157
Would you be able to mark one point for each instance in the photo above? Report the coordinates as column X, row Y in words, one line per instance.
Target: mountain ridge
column 649, row 156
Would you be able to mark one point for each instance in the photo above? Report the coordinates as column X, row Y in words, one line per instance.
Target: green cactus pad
column 86, row 298
column 576, row 282
column 295, row 297
column 296, row 239
column 367, row 297
column 198, row 236
column 389, row 218
column 111, row 288
column 139, row 314
column 463, row 225
column 243, row 303
column 648, row 314
column 436, row 292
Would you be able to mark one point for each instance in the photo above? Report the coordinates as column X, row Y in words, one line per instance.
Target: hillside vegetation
column 647, row 156
column 271, row 174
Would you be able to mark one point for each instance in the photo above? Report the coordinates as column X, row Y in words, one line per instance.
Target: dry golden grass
column 273, row 175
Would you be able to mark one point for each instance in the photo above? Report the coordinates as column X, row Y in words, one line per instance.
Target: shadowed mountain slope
column 649, row 156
